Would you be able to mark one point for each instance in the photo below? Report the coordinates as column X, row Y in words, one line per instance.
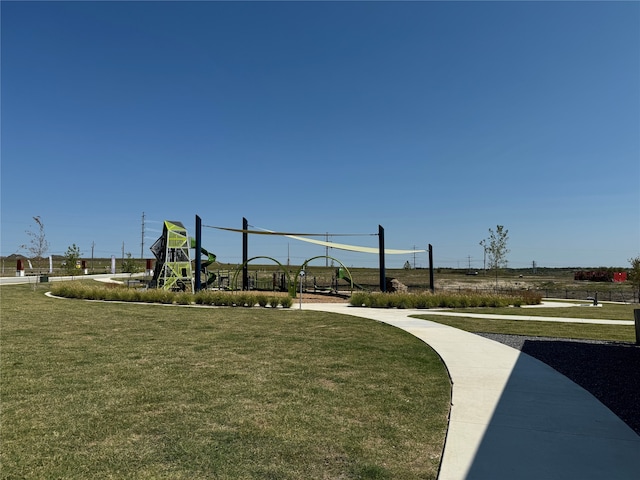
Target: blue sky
column 436, row 120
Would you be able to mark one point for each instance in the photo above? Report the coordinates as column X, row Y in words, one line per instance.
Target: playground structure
column 344, row 274
column 381, row 251
column 286, row 282
column 173, row 262
column 210, row 277
column 174, row 265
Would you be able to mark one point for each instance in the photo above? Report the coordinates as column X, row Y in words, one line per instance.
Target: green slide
column 342, row 273
column 211, row 258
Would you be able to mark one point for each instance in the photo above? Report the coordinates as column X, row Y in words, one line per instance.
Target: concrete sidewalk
column 512, row 416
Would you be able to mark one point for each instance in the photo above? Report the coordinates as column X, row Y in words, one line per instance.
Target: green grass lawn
column 585, row 331
column 607, row 311
column 106, row 390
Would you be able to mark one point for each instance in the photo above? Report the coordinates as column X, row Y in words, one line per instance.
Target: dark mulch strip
column 610, row 371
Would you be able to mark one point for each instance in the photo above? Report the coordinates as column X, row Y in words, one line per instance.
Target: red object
column 19, row 267
column 620, row 277
column 149, row 266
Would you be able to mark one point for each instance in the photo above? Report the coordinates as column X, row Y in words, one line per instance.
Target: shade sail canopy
column 338, row 246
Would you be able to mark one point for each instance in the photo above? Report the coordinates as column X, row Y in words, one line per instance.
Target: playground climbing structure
column 173, row 263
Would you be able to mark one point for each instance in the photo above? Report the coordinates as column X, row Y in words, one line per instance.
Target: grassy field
column 104, row 390
column 607, row 311
column 622, row 333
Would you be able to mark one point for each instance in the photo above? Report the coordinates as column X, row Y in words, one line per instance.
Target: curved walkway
column 513, row 416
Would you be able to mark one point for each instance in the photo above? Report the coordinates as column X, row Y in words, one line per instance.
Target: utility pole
column 484, row 262
column 93, row 244
column 483, row 244
column 142, row 239
column 123, row 252
column 414, row 257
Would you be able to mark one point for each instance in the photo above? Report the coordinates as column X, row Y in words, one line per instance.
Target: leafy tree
column 71, row 257
column 129, row 265
column 634, row 273
column 495, row 249
column 38, row 244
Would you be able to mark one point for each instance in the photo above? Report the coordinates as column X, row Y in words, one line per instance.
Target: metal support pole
column 431, row 285
column 245, row 254
column 198, row 284
column 383, row 273
column 301, row 277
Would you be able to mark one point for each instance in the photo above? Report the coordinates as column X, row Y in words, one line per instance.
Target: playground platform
column 513, row 416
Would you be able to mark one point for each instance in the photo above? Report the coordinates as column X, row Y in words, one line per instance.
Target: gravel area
column 609, row 370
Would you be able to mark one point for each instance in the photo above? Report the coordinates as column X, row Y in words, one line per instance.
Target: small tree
column 495, row 249
column 38, row 244
column 634, row 274
column 129, row 265
column 71, row 258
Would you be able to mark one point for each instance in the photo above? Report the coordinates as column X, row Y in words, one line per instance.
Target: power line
column 142, row 236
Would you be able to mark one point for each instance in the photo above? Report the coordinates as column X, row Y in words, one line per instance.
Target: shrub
column 377, row 300
column 530, row 297
column 421, row 301
column 120, row 295
column 401, row 300
column 59, row 289
column 86, row 293
column 440, row 300
column 165, row 296
column 222, row 299
column 244, row 300
column 286, row 302
column 443, row 301
column 78, row 289
column 150, row 296
column 183, row 298
column 483, row 301
column 251, row 300
column 203, row 297
column 464, row 300
column 359, row 299
column 158, row 296
column 274, row 301
column 473, row 300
